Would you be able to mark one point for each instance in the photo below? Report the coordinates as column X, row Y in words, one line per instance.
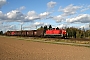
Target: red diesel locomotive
column 56, row 32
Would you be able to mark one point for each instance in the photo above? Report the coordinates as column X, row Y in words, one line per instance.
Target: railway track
column 56, row 38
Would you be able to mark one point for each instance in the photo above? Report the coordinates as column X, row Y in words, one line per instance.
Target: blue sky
column 32, row 13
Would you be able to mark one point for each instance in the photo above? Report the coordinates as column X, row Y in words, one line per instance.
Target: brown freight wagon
column 30, row 33
column 39, row 33
column 24, row 33
column 18, row 33
column 8, row 33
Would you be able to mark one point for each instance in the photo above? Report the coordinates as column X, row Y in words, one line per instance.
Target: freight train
column 39, row 33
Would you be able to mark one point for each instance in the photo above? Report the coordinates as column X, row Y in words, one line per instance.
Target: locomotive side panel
column 53, row 32
column 48, row 32
column 56, row 32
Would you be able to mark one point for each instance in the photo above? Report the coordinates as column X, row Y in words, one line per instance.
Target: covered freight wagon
column 39, row 33
column 30, row 33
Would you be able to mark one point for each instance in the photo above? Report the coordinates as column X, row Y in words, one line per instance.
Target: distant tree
column 77, row 33
column 57, row 28
column 69, row 32
column 87, row 33
column 50, row 27
column 83, row 32
column 41, row 28
column 45, row 27
column 1, row 32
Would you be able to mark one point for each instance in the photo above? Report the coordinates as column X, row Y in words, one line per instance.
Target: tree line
column 78, row 33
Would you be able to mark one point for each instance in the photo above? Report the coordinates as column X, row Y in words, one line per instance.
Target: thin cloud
column 58, row 18
column 38, row 23
column 86, row 26
column 85, row 8
column 2, row 2
column 44, row 15
column 70, row 10
column 62, row 26
column 21, row 8
column 51, row 4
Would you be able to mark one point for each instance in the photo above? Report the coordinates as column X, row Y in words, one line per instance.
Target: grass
column 61, row 41
column 54, row 41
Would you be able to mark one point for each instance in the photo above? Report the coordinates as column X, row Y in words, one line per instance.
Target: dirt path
column 13, row 49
